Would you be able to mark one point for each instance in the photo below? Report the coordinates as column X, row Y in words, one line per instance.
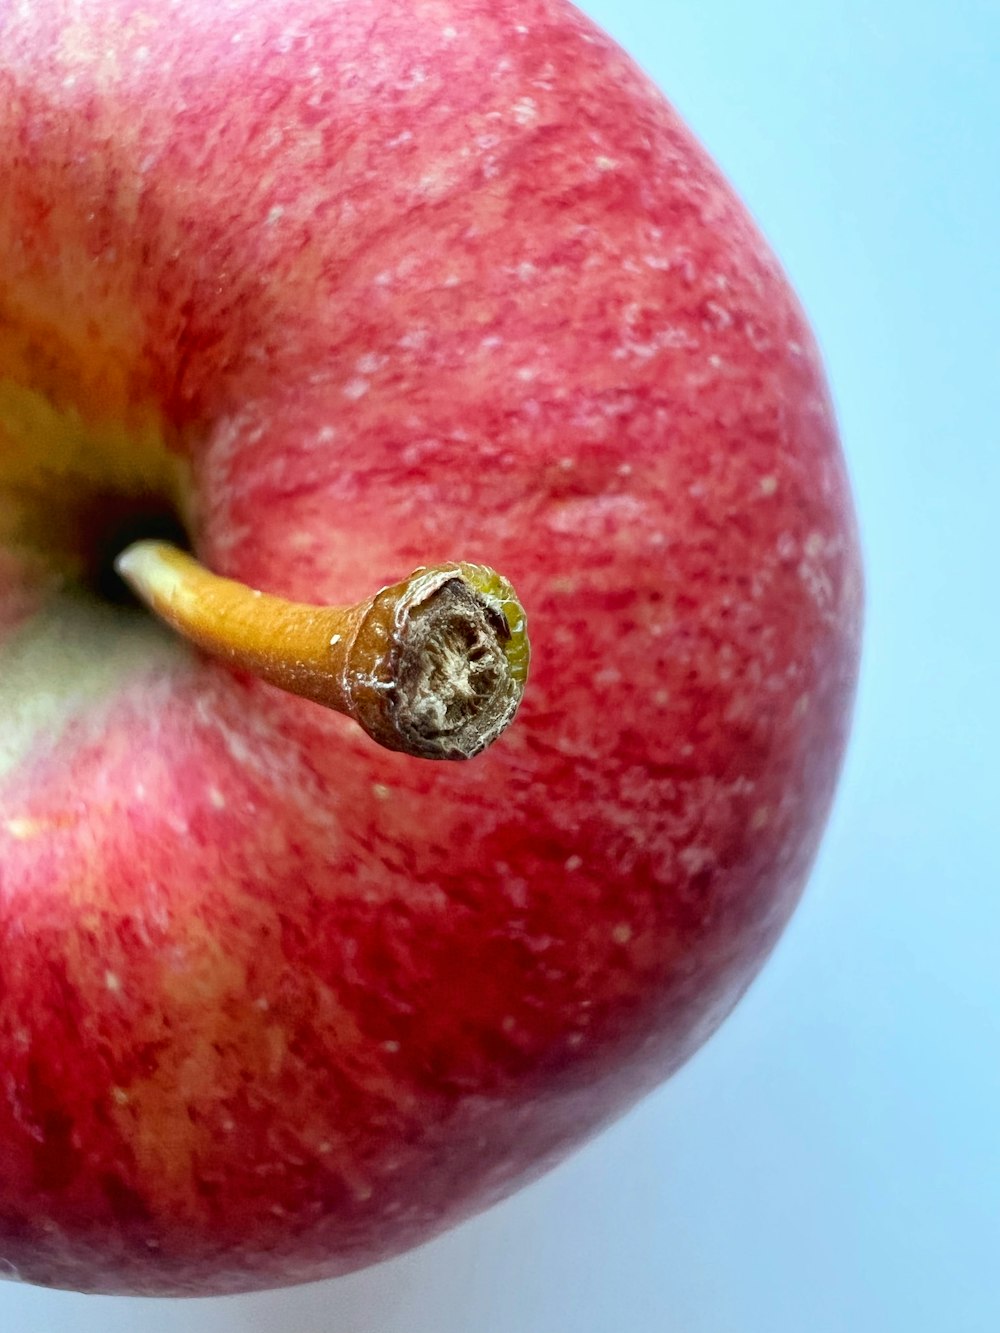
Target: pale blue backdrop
column 831, row 1162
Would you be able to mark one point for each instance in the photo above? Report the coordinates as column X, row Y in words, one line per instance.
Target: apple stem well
column 433, row 666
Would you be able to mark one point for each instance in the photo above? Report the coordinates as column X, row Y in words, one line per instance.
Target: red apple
column 348, row 288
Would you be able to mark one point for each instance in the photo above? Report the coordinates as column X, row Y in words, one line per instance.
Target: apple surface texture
column 339, row 292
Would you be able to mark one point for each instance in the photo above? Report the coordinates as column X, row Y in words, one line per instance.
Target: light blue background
column 831, row 1162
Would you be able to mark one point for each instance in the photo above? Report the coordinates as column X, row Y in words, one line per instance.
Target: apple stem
column 433, row 666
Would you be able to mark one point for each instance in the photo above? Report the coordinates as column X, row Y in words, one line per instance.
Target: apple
column 338, row 290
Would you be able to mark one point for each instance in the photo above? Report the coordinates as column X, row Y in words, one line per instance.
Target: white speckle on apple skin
column 525, row 111
column 23, row 828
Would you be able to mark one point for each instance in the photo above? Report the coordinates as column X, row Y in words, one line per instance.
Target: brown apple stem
column 434, row 666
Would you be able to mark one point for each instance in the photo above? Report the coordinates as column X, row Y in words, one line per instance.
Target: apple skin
column 398, row 282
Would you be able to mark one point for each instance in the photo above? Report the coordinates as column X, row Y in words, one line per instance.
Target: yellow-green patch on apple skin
column 371, row 286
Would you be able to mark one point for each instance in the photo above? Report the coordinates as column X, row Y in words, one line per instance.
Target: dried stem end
column 439, row 662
